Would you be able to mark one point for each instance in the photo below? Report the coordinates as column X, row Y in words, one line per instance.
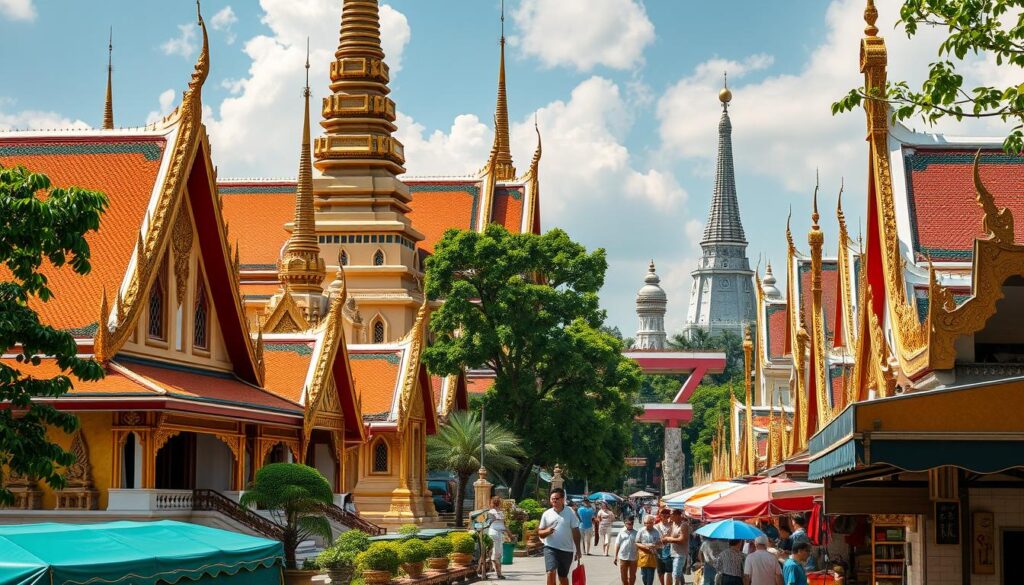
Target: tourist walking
column 586, row 514
column 800, row 535
column 625, row 553
column 680, row 544
column 605, row 518
column 664, row 526
column 729, row 564
column 648, row 541
column 498, row 532
column 761, row 567
column 559, row 530
column 710, row 548
column 793, row 572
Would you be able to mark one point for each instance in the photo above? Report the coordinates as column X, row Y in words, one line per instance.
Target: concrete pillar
column 482, row 492
column 672, row 467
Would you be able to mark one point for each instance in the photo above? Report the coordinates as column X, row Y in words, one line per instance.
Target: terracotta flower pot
column 376, row 577
column 299, row 576
column 341, row 576
column 462, row 559
column 438, row 563
column 414, row 570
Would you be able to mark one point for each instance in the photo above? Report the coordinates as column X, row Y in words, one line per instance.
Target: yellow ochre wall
column 97, row 430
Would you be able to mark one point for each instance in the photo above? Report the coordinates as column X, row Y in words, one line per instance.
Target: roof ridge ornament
column 997, row 221
column 870, row 17
column 108, row 106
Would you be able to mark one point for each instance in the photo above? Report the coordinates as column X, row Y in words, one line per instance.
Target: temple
column 891, row 372
column 722, row 295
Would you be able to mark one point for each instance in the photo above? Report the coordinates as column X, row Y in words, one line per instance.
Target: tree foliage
column 710, row 404
column 456, row 447
column 294, row 495
column 526, row 306
column 992, row 29
column 38, row 224
column 726, row 341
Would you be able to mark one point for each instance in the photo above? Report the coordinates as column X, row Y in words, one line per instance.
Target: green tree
column 727, row 341
column 649, row 439
column 456, row 448
column 39, row 224
column 710, row 404
column 985, row 29
column 526, row 306
column 294, row 495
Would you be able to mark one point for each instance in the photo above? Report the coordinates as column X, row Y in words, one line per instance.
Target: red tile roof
column 777, row 327
column 125, row 168
column 440, row 205
column 478, row 385
column 256, row 213
column 829, row 294
column 193, row 383
column 944, row 215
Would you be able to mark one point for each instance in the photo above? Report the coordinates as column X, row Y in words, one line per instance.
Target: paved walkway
column 530, row 571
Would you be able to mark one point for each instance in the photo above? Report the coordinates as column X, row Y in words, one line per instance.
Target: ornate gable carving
column 286, row 317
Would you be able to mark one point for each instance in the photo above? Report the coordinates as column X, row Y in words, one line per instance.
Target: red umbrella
column 761, row 497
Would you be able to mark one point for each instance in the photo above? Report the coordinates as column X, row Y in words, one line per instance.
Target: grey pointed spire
column 724, row 223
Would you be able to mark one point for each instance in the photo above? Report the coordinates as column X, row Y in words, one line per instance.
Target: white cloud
column 166, row 100
column 583, row 33
column 34, row 119
column 223, row 21
column 184, row 44
column 462, row 151
column 18, row 9
column 265, row 107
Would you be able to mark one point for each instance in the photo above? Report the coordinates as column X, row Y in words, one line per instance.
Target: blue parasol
column 729, row 530
column 604, row 497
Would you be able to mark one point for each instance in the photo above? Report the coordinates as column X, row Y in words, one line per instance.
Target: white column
column 672, row 467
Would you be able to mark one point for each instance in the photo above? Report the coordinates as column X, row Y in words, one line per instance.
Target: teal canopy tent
column 135, row 553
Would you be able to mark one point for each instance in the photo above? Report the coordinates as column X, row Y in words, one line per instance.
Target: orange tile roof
column 113, row 383
column 287, row 365
column 375, row 375
column 256, row 213
column 479, row 385
column 508, row 208
column 125, row 168
column 259, row 289
column 193, row 383
column 436, row 386
column 439, row 206
column 777, row 327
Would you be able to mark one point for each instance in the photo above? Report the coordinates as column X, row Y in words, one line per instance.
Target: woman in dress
column 605, row 518
column 498, row 531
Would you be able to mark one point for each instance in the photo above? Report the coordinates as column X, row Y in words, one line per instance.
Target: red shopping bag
column 579, row 575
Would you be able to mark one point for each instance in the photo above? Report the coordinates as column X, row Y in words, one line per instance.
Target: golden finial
column 998, row 221
column 306, row 91
column 108, row 106
column 102, row 338
column 505, row 170
column 870, row 17
column 725, row 96
column 536, row 153
column 789, row 233
column 202, row 68
column 814, row 212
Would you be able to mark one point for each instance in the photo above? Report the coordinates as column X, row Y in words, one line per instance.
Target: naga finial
column 998, row 221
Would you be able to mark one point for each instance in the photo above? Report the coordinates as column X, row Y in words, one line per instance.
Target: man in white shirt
column 559, row 530
column 761, row 567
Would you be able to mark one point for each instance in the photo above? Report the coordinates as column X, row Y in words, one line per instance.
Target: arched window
column 157, row 298
column 380, row 457
column 343, row 258
column 378, row 258
column 200, row 320
column 378, row 331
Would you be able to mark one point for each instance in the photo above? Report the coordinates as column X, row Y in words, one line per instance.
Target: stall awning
column 977, row 427
column 136, row 553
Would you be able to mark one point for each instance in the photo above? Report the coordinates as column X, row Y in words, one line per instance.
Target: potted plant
column 339, row 560
column 293, row 494
column 412, row 554
column 463, row 545
column 530, row 532
column 408, row 530
column 379, row 563
column 438, row 549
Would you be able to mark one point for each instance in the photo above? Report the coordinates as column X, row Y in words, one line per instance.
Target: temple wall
column 96, row 428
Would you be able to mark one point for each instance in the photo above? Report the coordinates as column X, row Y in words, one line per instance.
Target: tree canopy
column 975, row 30
column 38, row 224
column 526, row 306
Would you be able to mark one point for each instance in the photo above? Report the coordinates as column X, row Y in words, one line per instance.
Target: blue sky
column 625, row 91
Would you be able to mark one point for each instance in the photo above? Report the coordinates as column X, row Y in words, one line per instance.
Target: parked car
column 443, row 491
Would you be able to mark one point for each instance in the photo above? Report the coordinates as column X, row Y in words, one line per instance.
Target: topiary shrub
column 532, row 525
column 294, row 495
column 381, row 556
column 353, row 540
column 463, row 542
column 440, row 547
column 335, row 558
column 408, row 530
column 413, row 550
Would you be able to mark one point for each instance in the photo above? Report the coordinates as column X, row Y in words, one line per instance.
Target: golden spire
column 501, row 151
column 301, row 269
column 359, row 138
column 725, row 96
column 102, row 338
column 108, row 106
column 870, row 17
